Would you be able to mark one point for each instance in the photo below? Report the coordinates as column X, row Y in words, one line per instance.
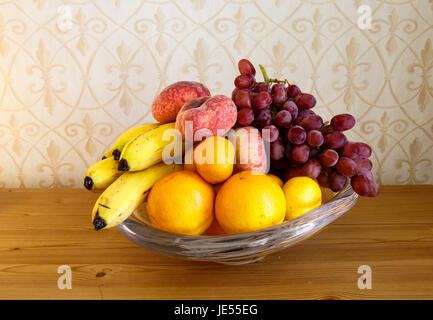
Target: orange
column 303, row 194
column 276, row 179
column 188, row 163
column 214, row 158
column 181, row 202
column 249, row 201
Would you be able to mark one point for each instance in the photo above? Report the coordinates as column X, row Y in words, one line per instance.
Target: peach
column 250, row 150
column 208, row 117
column 167, row 104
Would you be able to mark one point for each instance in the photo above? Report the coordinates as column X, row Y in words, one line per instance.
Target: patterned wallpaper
column 68, row 87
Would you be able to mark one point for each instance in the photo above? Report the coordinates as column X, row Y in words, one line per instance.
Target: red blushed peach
column 250, row 150
column 167, row 104
column 208, row 117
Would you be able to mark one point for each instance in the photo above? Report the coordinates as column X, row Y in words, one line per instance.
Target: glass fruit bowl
column 239, row 248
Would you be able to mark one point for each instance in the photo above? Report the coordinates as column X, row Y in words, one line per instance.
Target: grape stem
column 264, row 73
column 270, row 80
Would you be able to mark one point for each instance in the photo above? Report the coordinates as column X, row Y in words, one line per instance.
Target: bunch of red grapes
column 301, row 144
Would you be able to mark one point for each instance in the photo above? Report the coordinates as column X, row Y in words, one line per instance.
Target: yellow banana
column 146, row 149
column 125, row 137
column 125, row 194
column 101, row 174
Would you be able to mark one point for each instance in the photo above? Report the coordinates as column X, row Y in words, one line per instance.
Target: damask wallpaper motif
column 66, row 93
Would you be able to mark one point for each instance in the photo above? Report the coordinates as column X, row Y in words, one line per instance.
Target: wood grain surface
column 42, row 229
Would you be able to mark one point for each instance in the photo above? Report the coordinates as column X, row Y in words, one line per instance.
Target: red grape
column 280, row 165
column 245, row 117
column 323, row 179
column 246, row 67
column 262, row 100
column 314, row 153
column 293, row 164
column 293, row 91
column 305, row 101
column 243, row 99
column 343, row 122
column 277, row 150
column 361, row 185
column 264, row 118
column 297, row 135
column 234, row 92
column 328, row 158
column 335, row 140
column 262, row 86
column 336, row 181
column 279, row 94
column 315, row 138
column 311, row 169
column 300, row 143
column 244, row 81
column 374, row 189
column 304, row 112
column 288, row 151
column 292, row 108
column 364, row 165
column 350, row 150
column 311, row 122
column 283, row 119
column 346, row 167
column 271, row 134
column 326, row 130
column 301, row 153
column 364, row 149
column 293, row 173
column 368, row 175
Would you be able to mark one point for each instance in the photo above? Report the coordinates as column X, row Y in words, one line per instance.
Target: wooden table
column 42, row 229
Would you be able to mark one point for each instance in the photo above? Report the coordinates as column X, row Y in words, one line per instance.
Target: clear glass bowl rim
column 346, row 197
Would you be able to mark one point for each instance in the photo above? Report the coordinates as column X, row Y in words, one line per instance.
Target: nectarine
column 211, row 117
column 250, row 150
column 168, row 103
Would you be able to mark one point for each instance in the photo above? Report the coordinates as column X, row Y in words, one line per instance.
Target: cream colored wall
column 66, row 94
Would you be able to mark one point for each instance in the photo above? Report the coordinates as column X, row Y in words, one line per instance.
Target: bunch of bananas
column 139, row 151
